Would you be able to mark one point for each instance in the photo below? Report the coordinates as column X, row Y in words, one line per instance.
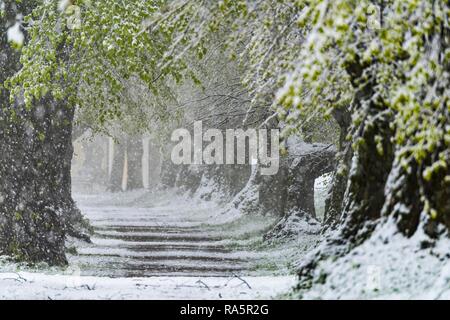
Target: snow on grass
column 386, row 266
column 25, row 285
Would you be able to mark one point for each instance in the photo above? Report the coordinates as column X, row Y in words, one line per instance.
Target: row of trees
column 378, row 70
column 124, row 163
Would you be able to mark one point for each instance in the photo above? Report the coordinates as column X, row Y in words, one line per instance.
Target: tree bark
column 294, row 189
column 154, row 164
column 333, row 204
column 93, row 169
column 36, row 207
column 135, row 152
column 357, row 197
column 116, row 177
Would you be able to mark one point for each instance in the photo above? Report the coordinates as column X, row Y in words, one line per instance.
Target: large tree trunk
column 333, row 204
column 401, row 202
column 357, row 196
column 369, row 171
column 369, row 163
column 58, row 153
column 36, row 206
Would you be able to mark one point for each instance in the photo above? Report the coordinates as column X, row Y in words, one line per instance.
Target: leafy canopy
column 294, row 55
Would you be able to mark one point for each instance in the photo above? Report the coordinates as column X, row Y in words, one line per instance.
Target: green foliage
column 308, row 54
column 404, row 53
column 99, row 59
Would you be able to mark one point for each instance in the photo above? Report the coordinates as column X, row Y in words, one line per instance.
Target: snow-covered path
column 158, row 246
column 159, row 234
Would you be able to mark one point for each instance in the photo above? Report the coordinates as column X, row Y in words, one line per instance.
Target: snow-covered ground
column 24, row 285
column 161, row 245
column 167, row 246
column 387, row 266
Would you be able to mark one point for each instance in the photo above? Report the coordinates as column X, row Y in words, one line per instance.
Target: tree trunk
column 36, row 206
column 369, row 171
column 296, row 190
column 116, row 177
column 333, row 204
column 406, row 188
column 154, row 164
column 369, row 163
column 135, row 152
column 380, row 185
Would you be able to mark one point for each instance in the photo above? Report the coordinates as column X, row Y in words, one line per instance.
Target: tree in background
column 134, row 163
column 127, row 158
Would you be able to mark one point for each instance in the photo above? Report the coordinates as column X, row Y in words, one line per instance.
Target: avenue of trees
column 369, row 76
